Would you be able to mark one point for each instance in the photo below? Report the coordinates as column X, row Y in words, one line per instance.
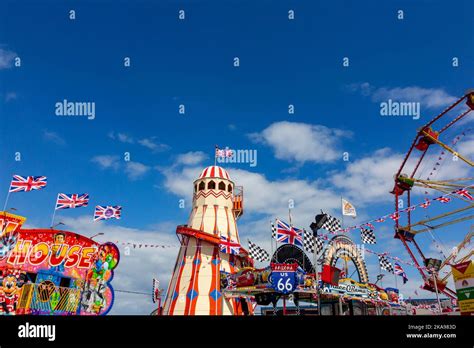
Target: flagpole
column 52, row 219
column 271, row 240
column 6, row 200
column 381, row 279
column 215, row 156
column 315, row 255
column 342, row 213
column 54, row 212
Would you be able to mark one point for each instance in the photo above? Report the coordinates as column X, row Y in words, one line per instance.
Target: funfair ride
column 408, row 176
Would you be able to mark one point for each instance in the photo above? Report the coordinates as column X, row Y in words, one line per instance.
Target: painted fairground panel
column 53, row 272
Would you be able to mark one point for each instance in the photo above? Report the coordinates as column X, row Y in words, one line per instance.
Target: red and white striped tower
column 195, row 285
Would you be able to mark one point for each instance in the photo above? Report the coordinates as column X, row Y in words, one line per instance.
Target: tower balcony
column 238, row 201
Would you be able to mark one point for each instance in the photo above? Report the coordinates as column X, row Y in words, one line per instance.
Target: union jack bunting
column 72, row 200
column 380, row 219
column 368, row 224
column 385, row 264
column 426, row 204
column 367, row 236
column 107, row 212
column 27, row 183
column 288, row 234
column 411, row 208
column 464, row 193
column 395, row 216
column 332, row 224
column 443, row 199
column 257, row 253
column 228, row 246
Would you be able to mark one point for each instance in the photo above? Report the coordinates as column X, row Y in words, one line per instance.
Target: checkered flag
column 367, row 236
column 385, row 264
column 332, row 224
column 310, row 241
column 257, row 253
column 274, row 231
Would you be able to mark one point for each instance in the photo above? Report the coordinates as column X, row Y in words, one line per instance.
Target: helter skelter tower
column 195, row 288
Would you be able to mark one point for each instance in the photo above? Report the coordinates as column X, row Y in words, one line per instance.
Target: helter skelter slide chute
column 408, row 176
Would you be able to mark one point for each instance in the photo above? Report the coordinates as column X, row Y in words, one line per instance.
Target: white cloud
column 151, row 144
column 428, row 97
column 6, row 58
column 107, row 161
column 302, row 142
column 122, row 137
column 136, row 270
column 53, row 137
column 191, row 158
column 136, row 170
column 370, row 178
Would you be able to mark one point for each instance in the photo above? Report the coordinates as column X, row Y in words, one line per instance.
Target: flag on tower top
column 224, row 152
column 348, row 209
column 27, row 183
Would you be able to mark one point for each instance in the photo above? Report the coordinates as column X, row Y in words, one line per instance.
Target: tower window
column 195, row 188
column 229, row 188
column 211, row 185
column 221, row 186
column 202, row 186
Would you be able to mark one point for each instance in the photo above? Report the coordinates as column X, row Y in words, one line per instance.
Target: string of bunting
column 441, row 156
column 463, row 192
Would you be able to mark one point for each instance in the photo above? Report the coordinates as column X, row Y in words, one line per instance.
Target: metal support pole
column 436, row 290
column 317, row 292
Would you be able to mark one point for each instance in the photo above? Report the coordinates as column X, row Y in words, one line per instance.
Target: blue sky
column 190, row 62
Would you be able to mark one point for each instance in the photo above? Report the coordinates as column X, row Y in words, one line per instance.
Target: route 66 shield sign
column 283, row 277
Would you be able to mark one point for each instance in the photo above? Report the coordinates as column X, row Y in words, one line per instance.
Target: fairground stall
column 290, row 279
column 54, row 272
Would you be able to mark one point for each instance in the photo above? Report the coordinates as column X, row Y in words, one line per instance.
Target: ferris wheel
column 432, row 144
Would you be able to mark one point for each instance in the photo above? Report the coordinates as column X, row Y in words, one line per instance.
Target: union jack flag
column 289, row 234
column 228, row 246
column 107, row 212
column 224, row 152
column 399, row 271
column 27, row 183
column 426, row 204
column 443, row 199
column 465, row 193
column 72, row 200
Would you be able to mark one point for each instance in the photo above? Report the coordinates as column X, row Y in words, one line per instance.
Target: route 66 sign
column 283, row 277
